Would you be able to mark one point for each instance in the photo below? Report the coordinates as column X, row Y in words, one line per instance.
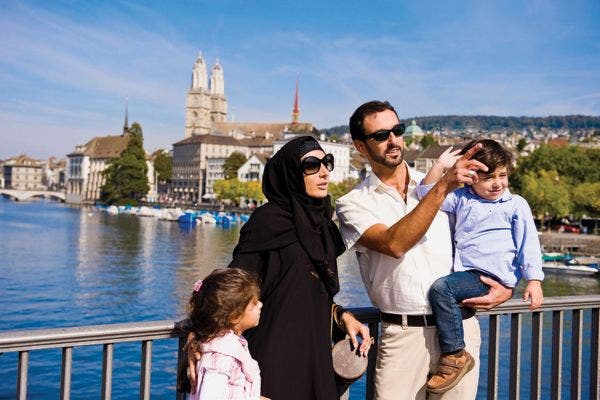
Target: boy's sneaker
column 451, row 368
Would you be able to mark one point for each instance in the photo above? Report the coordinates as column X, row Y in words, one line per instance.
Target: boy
column 495, row 236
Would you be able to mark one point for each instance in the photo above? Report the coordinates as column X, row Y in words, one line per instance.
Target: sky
column 68, row 68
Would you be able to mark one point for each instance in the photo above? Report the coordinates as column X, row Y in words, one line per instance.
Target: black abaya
column 292, row 245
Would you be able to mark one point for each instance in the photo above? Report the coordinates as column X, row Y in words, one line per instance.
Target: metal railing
column 563, row 311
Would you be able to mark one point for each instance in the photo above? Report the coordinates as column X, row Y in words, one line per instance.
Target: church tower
column 198, row 102
column 218, row 109
column 296, row 110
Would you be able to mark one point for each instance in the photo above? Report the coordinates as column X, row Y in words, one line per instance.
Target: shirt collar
column 373, row 182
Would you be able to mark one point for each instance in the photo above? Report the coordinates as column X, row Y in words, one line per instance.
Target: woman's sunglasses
column 384, row 134
column 311, row 165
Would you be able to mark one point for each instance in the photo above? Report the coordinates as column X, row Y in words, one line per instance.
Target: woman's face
column 316, row 184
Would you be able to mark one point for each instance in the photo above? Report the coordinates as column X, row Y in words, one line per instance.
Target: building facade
column 86, row 165
column 23, row 173
column 188, row 181
column 252, row 169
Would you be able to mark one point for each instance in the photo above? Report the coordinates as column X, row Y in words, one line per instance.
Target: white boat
column 578, row 269
column 169, row 214
column 144, row 211
column 112, row 210
column 207, row 218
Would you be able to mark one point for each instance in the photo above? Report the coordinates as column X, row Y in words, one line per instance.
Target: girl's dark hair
column 357, row 120
column 492, row 154
column 223, row 296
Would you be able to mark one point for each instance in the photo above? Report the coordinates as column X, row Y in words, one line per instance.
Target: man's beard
column 385, row 161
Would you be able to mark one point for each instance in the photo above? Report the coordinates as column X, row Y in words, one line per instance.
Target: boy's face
column 491, row 184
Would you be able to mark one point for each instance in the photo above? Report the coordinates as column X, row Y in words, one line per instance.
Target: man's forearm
column 407, row 232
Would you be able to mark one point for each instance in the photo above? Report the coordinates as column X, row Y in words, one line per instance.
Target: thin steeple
column 126, row 125
column 296, row 110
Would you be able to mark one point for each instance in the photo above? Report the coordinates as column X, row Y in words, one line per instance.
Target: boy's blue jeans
column 445, row 295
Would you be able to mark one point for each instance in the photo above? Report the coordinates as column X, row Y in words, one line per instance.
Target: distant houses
column 25, row 173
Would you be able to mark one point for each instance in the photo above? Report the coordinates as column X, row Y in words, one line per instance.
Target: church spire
column 296, row 110
column 126, row 125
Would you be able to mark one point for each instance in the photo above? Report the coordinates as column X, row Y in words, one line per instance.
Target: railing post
column 22, row 375
column 537, row 323
column 595, row 354
column 107, row 367
column 576, row 334
column 493, row 346
column 515, row 356
column 181, row 364
column 65, row 376
column 557, row 338
column 146, row 370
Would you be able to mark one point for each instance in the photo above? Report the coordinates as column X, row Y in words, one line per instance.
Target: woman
column 292, row 244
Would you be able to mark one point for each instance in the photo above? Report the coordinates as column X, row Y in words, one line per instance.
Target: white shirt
column 394, row 285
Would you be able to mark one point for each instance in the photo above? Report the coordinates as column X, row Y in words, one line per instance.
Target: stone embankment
column 577, row 244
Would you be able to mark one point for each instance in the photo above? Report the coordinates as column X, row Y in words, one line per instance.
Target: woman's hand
column 354, row 327
column 193, row 356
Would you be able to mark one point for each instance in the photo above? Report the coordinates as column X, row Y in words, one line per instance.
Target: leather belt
column 420, row 320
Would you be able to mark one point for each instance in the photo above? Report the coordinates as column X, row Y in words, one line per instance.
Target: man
column 403, row 246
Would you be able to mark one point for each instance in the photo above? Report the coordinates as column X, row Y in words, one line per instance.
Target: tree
column 126, row 175
column 337, row 190
column 586, row 199
column 427, row 141
column 254, row 191
column 521, row 144
column 233, row 189
column 547, row 194
column 232, row 164
column 572, row 164
column 163, row 164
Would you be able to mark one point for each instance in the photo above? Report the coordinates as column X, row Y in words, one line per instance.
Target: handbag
column 348, row 364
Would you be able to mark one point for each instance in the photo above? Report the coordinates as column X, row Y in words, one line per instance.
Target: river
column 70, row 266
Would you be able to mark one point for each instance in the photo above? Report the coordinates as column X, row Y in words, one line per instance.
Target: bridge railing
column 571, row 354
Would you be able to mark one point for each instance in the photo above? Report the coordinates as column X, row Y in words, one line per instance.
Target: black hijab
column 291, row 215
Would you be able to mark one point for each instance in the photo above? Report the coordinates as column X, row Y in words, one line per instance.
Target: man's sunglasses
column 311, row 165
column 384, row 134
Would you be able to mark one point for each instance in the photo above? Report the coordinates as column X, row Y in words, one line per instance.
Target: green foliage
column 586, row 199
column 521, row 144
column 547, row 194
column 163, row 164
column 232, row 164
column 233, row 189
column 126, row 176
column 337, row 190
column 428, row 140
column 254, row 191
column 560, row 181
column 491, row 122
column 572, row 163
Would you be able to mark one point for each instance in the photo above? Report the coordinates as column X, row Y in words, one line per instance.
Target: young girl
column 222, row 307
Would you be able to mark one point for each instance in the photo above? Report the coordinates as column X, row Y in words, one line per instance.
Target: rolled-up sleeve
column 354, row 218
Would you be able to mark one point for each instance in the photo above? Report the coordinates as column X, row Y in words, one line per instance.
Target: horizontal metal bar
column 11, row 341
column 89, row 335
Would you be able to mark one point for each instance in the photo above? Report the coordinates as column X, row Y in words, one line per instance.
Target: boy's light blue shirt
column 497, row 237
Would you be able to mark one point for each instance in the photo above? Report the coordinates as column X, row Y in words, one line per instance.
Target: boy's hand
column 534, row 291
column 448, row 158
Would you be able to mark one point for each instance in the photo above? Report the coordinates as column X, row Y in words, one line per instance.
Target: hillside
column 493, row 123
